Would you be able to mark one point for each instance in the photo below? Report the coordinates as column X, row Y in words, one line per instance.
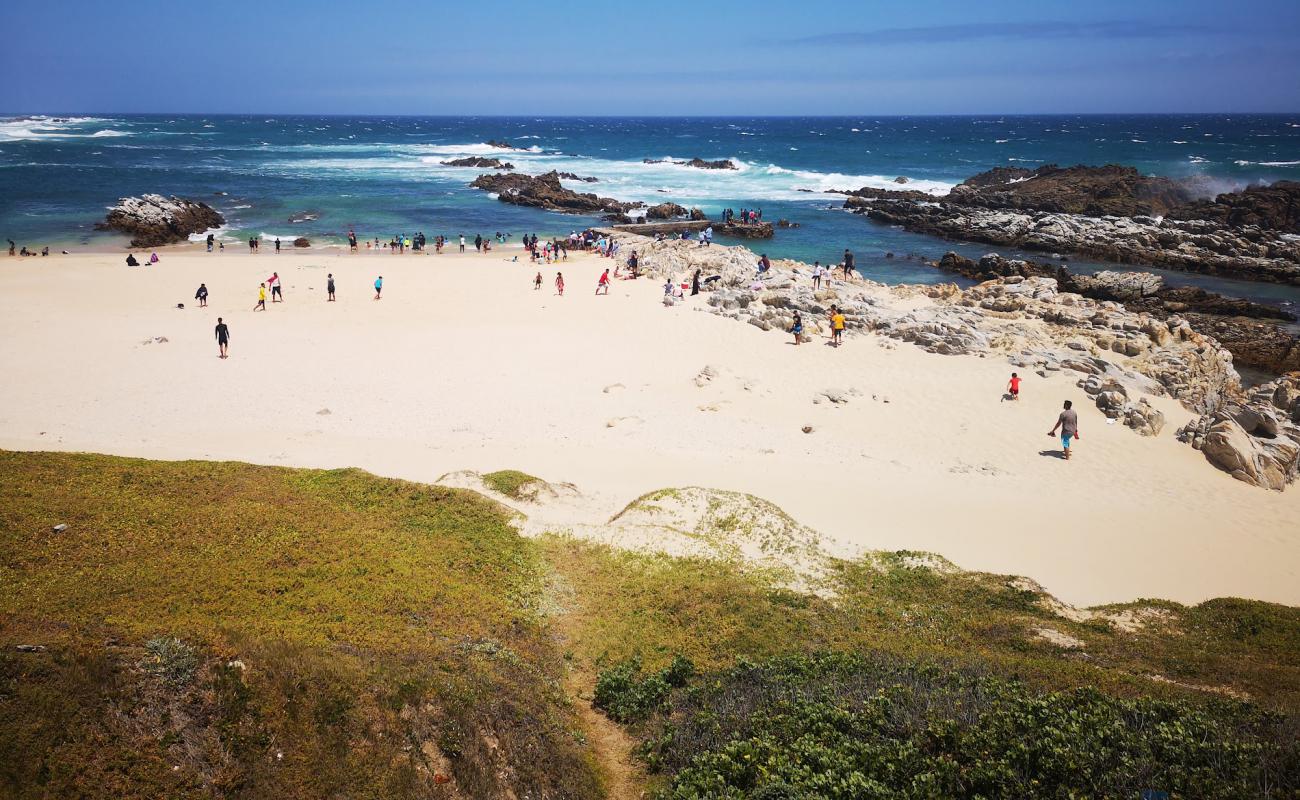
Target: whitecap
column 1279, row 163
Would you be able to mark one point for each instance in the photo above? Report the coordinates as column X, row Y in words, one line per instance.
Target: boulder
column 665, row 211
column 152, row 219
column 1255, row 439
column 301, row 241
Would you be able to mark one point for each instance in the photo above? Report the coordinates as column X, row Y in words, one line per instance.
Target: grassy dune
column 216, row 629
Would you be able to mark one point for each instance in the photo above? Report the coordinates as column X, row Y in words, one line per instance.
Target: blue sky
column 654, row 58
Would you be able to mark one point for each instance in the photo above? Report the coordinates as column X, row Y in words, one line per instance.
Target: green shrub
column 848, row 726
column 626, row 696
column 170, row 659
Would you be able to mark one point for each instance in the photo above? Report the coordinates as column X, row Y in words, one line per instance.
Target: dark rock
column 479, row 162
column 1272, row 208
column 1095, row 191
column 698, row 215
column 153, row 220
column 501, row 145
column 785, row 223
column 545, row 191
column 570, row 176
column 760, row 230
column 301, row 241
column 665, row 211
column 698, row 163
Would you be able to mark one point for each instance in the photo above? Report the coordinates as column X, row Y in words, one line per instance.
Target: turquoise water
column 383, row 176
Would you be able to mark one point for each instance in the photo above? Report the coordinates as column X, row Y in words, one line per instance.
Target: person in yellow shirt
column 261, row 298
column 837, row 326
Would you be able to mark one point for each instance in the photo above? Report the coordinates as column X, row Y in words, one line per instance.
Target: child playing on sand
column 559, row 284
column 797, row 328
column 1013, row 387
column 379, row 286
column 329, row 287
column 603, row 283
column 261, row 298
column 837, row 326
column 537, row 281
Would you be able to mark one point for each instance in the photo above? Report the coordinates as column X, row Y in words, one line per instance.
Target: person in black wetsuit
column 223, row 338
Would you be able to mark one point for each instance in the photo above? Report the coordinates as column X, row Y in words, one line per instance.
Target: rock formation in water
column 665, row 211
column 545, row 191
column 1110, row 213
column 480, row 162
column 152, row 219
column 698, row 163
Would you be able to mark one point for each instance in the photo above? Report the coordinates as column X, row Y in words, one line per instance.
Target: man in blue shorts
column 1068, row 422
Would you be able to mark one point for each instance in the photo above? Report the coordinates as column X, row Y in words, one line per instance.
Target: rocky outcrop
column 698, row 163
column 698, row 215
column 665, row 211
column 501, row 145
column 1094, row 191
column 545, row 191
column 1189, row 245
column 152, row 219
column 301, row 241
column 569, row 176
column 1250, row 331
column 1269, row 208
column 1256, row 439
column 479, row 162
column 753, row 230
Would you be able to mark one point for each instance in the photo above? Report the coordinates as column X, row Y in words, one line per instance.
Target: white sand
column 463, row 366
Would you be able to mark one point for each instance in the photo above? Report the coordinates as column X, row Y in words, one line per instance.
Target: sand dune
column 463, row 365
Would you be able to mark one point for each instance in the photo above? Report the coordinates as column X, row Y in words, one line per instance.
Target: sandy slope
column 463, row 366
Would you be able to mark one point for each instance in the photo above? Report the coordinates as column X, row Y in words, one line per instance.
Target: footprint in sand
column 623, row 422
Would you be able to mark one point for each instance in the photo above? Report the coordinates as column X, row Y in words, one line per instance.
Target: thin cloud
column 1114, row 29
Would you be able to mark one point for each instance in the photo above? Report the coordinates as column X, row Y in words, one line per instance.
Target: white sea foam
column 1279, row 163
column 1198, row 160
column 1001, row 141
column 41, row 127
column 1176, row 141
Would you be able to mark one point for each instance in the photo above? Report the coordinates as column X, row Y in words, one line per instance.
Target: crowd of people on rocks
column 748, row 216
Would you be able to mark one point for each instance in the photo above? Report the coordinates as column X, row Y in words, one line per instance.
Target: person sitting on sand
column 379, row 286
column 223, row 338
column 1013, row 386
column 602, row 285
column 763, row 264
column 329, row 288
column 261, row 298
column 1068, row 422
column 537, row 281
column 153, row 259
column 130, row 260
column 202, row 295
column 797, row 328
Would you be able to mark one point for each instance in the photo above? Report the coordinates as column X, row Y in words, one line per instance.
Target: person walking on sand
column 1068, row 422
column 379, row 286
column 537, row 281
column 559, row 284
column 223, row 339
column 602, row 285
column 329, row 288
column 837, row 326
column 261, row 298
column 848, row 262
column 202, row 295
column 797, row 328
column 274, row 282
column 1013, row 386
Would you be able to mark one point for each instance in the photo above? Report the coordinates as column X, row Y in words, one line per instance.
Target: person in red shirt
column 1014, row 386
column 603, row 283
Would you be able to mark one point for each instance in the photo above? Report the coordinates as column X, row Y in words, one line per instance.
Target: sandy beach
column 463, row 366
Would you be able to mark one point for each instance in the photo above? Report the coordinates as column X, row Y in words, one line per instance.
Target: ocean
column 383, row 176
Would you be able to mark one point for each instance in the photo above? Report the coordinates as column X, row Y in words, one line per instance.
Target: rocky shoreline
column 1250, row 331
column 1117, row 354
column 1110, row 213
column 546, row 192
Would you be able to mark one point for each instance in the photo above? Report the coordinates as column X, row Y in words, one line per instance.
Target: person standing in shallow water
column 1068, row 422
column 223, row 339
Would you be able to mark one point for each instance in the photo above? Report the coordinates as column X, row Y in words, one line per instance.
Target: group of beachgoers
column 26, row 251
column 748, row 216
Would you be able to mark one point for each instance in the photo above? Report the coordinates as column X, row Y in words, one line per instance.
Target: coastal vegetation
column 218, row 629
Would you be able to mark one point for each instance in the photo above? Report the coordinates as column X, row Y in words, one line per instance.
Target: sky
column 569, row 58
